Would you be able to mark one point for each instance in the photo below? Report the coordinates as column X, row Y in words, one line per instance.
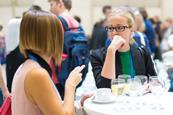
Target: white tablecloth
column 124, row 105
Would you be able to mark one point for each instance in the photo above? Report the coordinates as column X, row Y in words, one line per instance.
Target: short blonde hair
column 41, row 32
column 125, row 12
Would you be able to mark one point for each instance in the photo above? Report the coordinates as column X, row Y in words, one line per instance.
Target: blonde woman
column 121, row 56
column 33, row 92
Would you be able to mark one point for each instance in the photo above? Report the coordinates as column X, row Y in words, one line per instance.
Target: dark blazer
column 13, row 60
column 142, row 62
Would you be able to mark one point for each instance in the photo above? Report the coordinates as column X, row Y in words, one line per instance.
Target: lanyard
column 30, row 56
column 131, row 65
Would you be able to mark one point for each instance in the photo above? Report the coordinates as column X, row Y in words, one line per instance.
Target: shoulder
column 139, row 50
column 70, row 20
column 134, row 46
column 36, row 75
column 145, row 36
column 98, row 55
column 144, row 52
column 36, row 78
column 144, row 49
column 99, row 52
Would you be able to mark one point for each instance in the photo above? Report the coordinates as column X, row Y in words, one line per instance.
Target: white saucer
column 110, row 100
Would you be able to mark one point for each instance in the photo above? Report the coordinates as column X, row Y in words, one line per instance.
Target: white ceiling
column 15, row 2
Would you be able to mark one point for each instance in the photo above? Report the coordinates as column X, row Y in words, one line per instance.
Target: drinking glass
column 143, row 78
column 117, row 86
column 134, row 86
column 157, row 88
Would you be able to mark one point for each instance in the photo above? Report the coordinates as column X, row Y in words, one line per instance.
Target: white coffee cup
column 103, row 94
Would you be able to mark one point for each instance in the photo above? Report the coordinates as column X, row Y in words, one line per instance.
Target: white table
column 125, row 105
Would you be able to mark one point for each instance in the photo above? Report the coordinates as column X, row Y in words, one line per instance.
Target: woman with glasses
column 122, row 56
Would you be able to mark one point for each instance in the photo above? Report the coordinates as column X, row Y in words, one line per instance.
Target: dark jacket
column 142, row 62
column 13, row 60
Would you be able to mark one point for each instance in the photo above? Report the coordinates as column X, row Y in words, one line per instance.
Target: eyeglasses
column 116, row 28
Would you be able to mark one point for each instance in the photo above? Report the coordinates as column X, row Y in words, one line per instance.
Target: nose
column 114, row 32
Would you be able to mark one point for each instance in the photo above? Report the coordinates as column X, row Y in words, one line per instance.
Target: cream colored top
column 20, row 104
column 33, row 92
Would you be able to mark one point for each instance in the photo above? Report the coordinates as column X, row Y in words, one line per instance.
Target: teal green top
column 125, row 62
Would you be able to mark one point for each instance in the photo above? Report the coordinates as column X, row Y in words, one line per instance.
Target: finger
column 122, row 44
column 122, row 40
column 80, row 68
column 80, row 74
column 83, row 66
column 116, row 36
column 76, row 68
column 84, row 97
column 79, row 79
column 88, row 95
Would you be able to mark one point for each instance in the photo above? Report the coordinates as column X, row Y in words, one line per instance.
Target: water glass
column 134, row 86
column 143, row 78
column 157, row 87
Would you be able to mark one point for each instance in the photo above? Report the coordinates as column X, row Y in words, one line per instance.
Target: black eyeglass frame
column 116, row 28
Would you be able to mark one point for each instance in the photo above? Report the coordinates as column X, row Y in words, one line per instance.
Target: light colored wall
column 88, row 10
column 43, row 3
column 167, row 8
column 154, row 12
column 84, row 10
column 6, row 14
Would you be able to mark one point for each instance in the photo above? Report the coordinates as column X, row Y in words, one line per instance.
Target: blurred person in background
column 78, row 19
column 4, row 93
column 2, row 46
column 149, row 30
column 139, row 34
column 14, row 58
column 157, row 28
column 106, row 10
column 99, row 34
column 166, row 31
column 61, row 8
